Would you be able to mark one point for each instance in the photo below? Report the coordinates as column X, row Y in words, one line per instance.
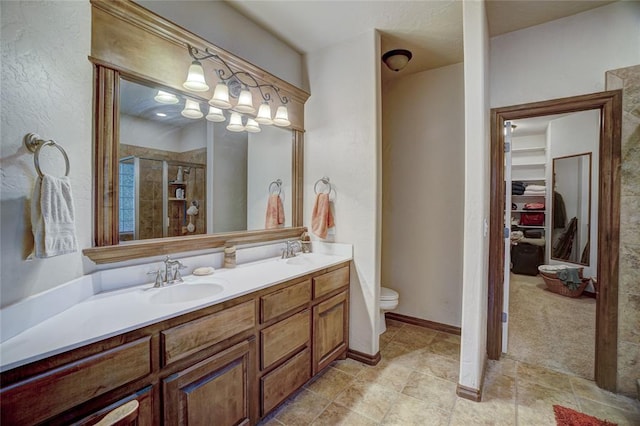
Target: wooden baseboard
column 589, row 294
column 424, row 323
column 471, row 394
column 364, row 358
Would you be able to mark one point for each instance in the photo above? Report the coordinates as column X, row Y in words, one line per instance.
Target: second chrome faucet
column 171, row 273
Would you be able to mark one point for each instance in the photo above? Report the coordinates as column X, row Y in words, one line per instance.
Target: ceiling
column 431, row 29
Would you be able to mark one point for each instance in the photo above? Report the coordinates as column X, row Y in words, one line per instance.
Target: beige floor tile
column 385, row 339
column 336, row 415
column 606, row 412
column 437, row 392
column 534, row 403
column 370, row 400
column 588, row 389
column 415, row 337
column 330, row 383
column 349, row 366
column 408, row 411
column 494, row 413
column 445, row 345
column 270, row 421
column 439, row 366
column 394, row 325
column 301, row 409
column 455, row 338
column 398, row 353
column 389, row 375
column 543, row 376
column 499, row 387
column 503, row 367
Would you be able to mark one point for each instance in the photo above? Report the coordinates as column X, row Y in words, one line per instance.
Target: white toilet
column 388, row 302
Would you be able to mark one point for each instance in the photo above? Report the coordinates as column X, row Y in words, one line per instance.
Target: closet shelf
column 528, row 211
column 528, row 165
column 532, row 149
column 529, row 226
column 528, row 196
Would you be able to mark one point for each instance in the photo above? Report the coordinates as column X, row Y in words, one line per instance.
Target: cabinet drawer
column 57, row 390
column 282, row 301
column 284, row 380
column 186, row 339
column 330, row 281
column 284, row 338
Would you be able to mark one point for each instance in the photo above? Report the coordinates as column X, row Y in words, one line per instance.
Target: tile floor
column 415, row 384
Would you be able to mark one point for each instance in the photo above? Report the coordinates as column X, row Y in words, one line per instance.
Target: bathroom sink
column 180, row 293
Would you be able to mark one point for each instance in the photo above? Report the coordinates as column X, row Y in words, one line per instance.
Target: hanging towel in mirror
column 275, row 212
column 53, row 217
column 321, row 217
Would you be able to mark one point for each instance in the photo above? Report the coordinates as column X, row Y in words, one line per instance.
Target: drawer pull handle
column 122, row 415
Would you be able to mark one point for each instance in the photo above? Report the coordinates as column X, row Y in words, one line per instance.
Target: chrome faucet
column 171, row 273
column 290, row 248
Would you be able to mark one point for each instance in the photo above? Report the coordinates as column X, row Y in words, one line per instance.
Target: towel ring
column 34, row 143
column 324, row 180
column 278, row 187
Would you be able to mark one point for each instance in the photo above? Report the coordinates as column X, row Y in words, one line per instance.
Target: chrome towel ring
column 274, row 186
column 34, row 143
column 325, row 181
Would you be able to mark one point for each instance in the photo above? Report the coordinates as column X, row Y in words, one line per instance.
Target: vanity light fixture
column 282, row 117
column 235, row 123
column 264, row 114
column 195, row 78
column 192, row 109
column 166, row 98
column 220, row 99
column 252, row 126
column 397, row 59
column 215, row 114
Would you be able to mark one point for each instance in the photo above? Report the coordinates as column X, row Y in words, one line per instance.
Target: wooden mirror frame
column 610, row 106
column 127, row 40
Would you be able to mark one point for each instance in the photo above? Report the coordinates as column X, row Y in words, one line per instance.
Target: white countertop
column 110, row 313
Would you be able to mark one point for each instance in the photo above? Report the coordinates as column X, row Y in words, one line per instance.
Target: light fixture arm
column 253, row 83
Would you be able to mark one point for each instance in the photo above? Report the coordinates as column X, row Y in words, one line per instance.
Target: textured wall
column 423, row 192
column 46, row 88
column 628, row 79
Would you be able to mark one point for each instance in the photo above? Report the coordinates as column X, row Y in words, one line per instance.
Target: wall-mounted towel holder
column 327, row 185
column 34, row 143
column 274, row 186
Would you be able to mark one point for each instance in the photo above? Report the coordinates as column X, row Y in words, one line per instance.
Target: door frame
column 610, row 105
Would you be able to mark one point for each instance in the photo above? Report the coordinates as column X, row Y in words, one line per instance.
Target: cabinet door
column 219, row 390
column 330, row 330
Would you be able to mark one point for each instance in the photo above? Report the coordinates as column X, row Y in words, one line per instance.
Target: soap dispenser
column 180, row 174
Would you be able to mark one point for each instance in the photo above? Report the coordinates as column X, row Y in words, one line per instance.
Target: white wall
column 268, row 159
column 46, row 88
column 423, row 192
column 342, row 141
column 223, row 26
column 229, row 188
column 473, row 350
column 578, row 133
column 565, row 57
column 149, row 134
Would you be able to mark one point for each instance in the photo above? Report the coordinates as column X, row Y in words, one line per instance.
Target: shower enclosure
column 155, row 196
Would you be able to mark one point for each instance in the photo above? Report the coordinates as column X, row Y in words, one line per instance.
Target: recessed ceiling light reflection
column 161, row 114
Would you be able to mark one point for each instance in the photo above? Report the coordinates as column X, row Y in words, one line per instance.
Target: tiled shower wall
column 150, row 215
column 628, row 79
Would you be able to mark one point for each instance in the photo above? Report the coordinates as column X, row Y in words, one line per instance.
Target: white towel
column 536, row 188
column 53, row 217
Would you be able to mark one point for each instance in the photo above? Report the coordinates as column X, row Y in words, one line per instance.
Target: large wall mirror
column 571, row 209
column 167, row 181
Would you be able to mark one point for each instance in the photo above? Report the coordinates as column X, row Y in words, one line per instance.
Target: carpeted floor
column 550, row 330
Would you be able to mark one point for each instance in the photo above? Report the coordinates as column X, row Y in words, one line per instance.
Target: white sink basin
column 180, row 293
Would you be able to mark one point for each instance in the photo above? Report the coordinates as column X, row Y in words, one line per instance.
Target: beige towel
column 321, row 217
column 53, row 217
column 275, row 212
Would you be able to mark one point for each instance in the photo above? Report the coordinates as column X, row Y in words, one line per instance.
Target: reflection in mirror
column 571, row 208
column 181, row 174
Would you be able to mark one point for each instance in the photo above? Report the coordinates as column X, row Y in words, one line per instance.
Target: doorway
column 609, row 104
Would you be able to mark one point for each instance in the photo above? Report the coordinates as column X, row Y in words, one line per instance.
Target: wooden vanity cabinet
column 227, row 364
